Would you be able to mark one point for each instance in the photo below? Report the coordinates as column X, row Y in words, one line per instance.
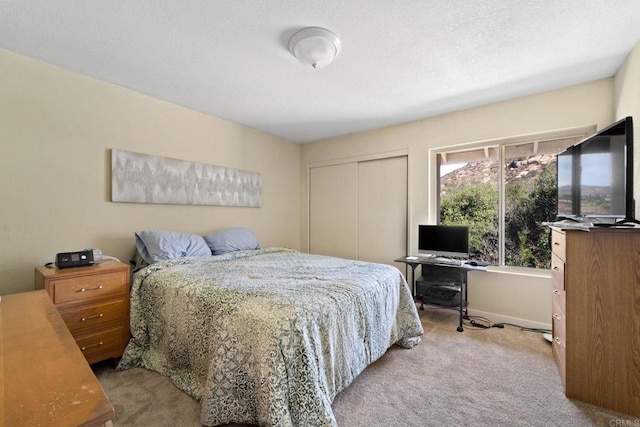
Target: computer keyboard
column 447, row 261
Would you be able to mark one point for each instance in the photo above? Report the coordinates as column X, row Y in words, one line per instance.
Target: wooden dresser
column 596, row 315
column 44, row 379
column 94, row 303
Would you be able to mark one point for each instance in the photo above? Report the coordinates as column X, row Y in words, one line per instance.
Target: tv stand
column 438, row 276
column 631, row 223
column 568, row 218
column 628, row 221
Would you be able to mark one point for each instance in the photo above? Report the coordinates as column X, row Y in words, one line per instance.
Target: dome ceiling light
column 314, row 46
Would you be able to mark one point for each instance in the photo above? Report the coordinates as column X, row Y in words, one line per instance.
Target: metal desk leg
column 466, row 300
column 413, row 279
column 413, row 266
column 463, row 299
column 462, row 303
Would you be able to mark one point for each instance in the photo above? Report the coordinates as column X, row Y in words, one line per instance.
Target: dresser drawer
column 559, row 302
column 102, row 341
column 557, row 272
column 85, row 316
column 558, row 343
column 80, row 288
column 559, row 322
column 559, row 244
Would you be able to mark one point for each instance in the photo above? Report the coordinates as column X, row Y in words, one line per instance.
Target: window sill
column 520, row 271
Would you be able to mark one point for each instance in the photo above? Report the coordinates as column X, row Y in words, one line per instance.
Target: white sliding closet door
column 333, row 210
column 358, row 210
column 382, row 210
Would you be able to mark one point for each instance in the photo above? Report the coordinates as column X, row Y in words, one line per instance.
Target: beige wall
column 56, row 129
column 627, row 91
column 506, row 296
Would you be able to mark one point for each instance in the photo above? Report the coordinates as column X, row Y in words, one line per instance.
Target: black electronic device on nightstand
column 83, row 258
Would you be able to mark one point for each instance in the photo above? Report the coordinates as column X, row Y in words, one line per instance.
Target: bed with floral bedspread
column 267, row 336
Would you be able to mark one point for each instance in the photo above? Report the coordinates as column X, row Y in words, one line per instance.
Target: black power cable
column 484, row 323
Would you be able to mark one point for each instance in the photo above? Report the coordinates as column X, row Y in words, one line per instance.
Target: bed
column 266, row 336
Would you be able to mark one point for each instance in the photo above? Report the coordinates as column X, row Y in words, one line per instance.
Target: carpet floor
column 481, row 377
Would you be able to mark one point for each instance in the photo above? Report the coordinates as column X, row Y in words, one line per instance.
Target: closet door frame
column 357, row 159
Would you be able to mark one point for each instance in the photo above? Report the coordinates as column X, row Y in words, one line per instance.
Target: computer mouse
column 473, row 263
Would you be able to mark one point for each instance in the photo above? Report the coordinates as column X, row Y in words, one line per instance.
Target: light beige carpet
column 479, row 377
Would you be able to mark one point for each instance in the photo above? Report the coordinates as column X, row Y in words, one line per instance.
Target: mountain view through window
column 504, row 193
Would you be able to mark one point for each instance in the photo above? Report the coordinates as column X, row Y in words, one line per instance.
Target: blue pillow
column 231, row 240
column 155, row 246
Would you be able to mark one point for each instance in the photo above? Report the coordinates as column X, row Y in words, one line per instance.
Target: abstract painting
column 142, row 178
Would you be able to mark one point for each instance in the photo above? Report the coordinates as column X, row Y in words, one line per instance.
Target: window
column 503, row 191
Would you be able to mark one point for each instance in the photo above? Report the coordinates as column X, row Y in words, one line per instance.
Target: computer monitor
column 444, row 240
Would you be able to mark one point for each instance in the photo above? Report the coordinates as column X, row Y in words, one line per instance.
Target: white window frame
column 501, row 144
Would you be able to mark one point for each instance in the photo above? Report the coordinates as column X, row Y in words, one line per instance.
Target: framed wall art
column 143, row 178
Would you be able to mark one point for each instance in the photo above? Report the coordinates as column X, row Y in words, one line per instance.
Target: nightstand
column 94, row 304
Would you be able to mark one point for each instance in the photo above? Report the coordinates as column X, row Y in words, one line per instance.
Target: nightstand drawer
column 90, row 315
column 80, row 288
column 101, row 341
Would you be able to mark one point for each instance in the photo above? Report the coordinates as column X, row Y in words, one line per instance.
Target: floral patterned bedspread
column 267, row 336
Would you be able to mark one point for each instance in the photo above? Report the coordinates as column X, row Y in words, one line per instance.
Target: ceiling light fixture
column 314, row 46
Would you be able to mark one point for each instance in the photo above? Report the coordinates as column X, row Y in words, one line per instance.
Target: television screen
column 595, row 177
column 443, row 240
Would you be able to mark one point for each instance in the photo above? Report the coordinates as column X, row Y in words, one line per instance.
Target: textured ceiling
column 401, row 60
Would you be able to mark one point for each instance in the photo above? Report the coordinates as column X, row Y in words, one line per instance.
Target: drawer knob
column 556, row 268
column 91, row 345
column 557, row 340
column 91, row 289
column 95, row 316
column 556, row 244
column 556, row 316
column 555, row 292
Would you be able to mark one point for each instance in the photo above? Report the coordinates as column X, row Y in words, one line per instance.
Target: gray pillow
column 231, row 240
column 155, row 246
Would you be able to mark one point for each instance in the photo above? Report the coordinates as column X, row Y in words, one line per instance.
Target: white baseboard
column 499, row 318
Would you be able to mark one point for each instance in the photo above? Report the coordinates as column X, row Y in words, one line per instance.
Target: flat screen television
column 595, row 176
column 444, row 240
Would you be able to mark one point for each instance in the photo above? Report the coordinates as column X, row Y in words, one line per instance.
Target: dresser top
column 44, row 378
column 599, row 230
